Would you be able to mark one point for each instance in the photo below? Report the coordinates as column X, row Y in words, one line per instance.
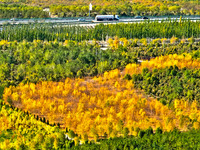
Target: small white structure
column 47, row 10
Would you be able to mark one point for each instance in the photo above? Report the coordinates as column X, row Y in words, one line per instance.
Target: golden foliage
column 94, row 106
column 173, row 40
column 181, row 61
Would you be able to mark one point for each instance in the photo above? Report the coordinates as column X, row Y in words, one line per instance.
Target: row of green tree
column 126, row 9
column 21, row 11
column 50, row 32
column 169, row 83
column 53, row 61
column 153, row 50
column 147, row 139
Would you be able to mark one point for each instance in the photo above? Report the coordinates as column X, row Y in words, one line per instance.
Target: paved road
column 87, row 22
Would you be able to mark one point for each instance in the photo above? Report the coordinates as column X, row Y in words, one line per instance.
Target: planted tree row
column 21, row 11
column 169, row 83
column 50, row 32
column 154, row 49
column 78, row 8
column 53, row 61
column 149, row 140
column 125, row 9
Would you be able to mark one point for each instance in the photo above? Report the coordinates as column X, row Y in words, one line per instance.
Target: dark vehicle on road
column 140, row 17
column 145, row 18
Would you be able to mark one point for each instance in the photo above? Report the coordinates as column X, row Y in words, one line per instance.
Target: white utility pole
column 90, row 8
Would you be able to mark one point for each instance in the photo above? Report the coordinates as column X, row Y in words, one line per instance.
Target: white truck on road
column 100, row 18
